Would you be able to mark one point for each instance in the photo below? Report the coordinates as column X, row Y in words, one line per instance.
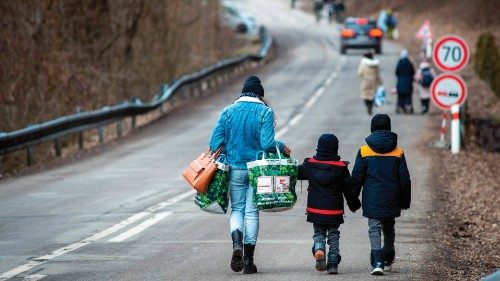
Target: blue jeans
column 244, row 214
column 327, row 233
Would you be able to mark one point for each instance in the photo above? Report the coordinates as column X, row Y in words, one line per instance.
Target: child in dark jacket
column 329, row 179
column 380, row 169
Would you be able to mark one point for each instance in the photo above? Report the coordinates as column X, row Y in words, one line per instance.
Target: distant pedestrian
column 404, row 72
column 391, row 23
column 424, row 77
column 382, row 21
column 243, row 129
column 318, row 9
column 380, row 171
column 339, row 9
column 329, row 183
column 369, row 72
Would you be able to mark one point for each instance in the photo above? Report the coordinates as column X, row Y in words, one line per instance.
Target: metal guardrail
column 79, row 122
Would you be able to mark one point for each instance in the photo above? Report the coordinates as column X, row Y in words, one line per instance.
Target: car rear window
column 365, row 28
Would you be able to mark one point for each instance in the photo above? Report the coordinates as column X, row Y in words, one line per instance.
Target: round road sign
column 451, row 53
column 448, row 89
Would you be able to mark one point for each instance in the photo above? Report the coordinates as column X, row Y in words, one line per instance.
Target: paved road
column 126, row 214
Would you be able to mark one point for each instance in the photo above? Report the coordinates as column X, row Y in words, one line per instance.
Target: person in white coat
column 369, row 73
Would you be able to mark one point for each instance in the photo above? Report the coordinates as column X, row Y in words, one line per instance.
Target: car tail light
column 347, row 33
column 361, row 21
column 375, row 33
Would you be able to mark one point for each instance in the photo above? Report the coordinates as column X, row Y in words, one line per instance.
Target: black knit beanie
column 253, row 85
column 381, row 122
column 328, row 147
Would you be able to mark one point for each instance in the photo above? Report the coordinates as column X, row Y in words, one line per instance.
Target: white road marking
column 140, row 228
column 319, row 92
column 35, row 277
column 41, row 260
column 296, row 119
column 281, row 132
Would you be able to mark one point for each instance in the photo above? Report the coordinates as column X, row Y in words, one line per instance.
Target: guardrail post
column 100, row 134
column 80, row 140
column 119, row 128
column 133, row 122
column 80, row 134
column 57, row 147
column 29, row 156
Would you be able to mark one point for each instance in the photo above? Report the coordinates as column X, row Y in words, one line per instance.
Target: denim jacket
column 244, row 128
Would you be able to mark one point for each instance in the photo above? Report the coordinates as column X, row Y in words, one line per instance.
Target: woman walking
column 369, row 72
column 404, row 72
column 243, row 129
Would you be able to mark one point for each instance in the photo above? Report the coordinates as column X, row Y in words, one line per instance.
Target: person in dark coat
column 380, row 171
column 404, row 72
column 329, row 182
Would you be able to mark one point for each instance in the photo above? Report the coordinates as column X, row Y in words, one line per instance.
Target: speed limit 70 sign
column 451, row 53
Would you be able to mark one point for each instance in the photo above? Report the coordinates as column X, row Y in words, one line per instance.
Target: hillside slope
column 59, row 55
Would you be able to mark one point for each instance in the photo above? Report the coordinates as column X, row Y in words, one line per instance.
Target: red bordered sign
column 451, row 53
column 448, row 89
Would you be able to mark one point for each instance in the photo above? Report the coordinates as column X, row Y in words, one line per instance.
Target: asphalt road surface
column 126, row 214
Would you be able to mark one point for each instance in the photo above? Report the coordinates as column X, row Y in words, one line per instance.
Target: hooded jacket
column 329, row 182
column 405, row 72
column 380, row 171
column 369, row 72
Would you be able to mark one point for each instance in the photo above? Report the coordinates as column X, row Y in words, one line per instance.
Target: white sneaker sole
column 377, row 271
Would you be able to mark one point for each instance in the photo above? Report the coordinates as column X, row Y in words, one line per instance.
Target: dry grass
column 60, row 55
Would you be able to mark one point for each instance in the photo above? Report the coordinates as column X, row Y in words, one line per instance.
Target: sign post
column 455, row 129
column 448, row 90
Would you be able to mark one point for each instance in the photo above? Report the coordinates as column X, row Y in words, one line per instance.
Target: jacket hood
column 324, row 173
column 382, row 141
column 369, row 62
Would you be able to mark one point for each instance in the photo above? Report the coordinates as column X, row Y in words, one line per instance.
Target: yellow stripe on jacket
column 367, row 151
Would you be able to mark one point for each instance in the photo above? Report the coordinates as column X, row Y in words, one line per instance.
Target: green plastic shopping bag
column 216, row 199
column 273, row 179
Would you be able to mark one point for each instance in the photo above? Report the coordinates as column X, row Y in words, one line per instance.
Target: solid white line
column 41, row 260
column 35, row 277
column 140, row 228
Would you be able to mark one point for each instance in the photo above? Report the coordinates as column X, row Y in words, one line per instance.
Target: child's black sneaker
column 333, row 263
column 388, row 256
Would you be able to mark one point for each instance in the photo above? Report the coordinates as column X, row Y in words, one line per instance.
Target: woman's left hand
column 287, row 150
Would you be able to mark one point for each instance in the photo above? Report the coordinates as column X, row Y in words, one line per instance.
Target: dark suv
column 360, row 33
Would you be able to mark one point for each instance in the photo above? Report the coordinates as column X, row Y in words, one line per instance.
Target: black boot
column 249, row 266
column 333, row 263
column 388, row 257
column 318, row 251
column 237, row 259
column 378, row 263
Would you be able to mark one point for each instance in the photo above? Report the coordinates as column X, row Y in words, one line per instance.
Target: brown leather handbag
column 201, row 171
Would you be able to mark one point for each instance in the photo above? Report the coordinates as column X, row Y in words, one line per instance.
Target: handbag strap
column 215, row 155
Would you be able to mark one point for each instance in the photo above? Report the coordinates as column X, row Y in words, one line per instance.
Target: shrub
column 487, row 61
